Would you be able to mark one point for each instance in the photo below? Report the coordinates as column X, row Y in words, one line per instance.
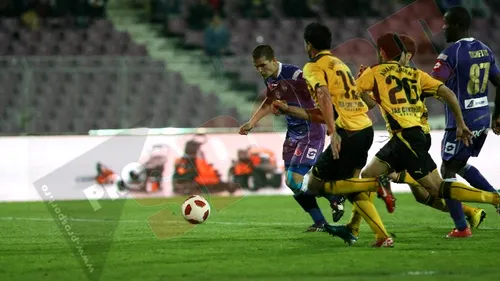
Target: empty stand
column 73, row 80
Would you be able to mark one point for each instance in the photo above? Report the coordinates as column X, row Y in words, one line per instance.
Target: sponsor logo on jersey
column 311, row 153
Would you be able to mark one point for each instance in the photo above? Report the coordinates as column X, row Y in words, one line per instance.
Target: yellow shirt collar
column 325, row 52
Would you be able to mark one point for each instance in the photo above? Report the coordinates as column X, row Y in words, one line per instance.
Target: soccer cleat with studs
column 342, row 232
column 337, row 209
column 455, row 233
column 476, row 220
column 384, row 192
column 315, row 228
column 384, row 243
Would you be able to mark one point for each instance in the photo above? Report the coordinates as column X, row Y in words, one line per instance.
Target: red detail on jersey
column 438, row 65
column 205, row 216
column 199, row 203
column 188, row 210
column 298, row 152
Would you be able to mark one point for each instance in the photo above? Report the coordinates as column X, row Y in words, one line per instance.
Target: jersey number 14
column 474, row 86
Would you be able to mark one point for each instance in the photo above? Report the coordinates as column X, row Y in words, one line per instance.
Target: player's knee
column 446, row 170
column 367, row 173
column 450, row 169
column 293, row 181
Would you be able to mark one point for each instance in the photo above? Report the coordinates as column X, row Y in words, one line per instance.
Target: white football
column 196, row 209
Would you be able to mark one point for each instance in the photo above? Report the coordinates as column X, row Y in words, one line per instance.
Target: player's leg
column 441, row 189
column 351, row 151
column 313, row 185
column 414, row 157
column 380, row 166
column 355, row 221
column 308, row 154
column 455, row 156
column 305, row 155
column 294, row 179
column 475, row 216
column 355, row 148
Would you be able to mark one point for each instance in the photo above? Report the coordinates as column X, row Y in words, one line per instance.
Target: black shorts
column 408, row 150
column 353, row 155
column 428, row 141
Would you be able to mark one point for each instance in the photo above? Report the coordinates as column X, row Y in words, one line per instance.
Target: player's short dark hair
column 409, row 44
column 392, row 45
column 319, row 35
column 459, row 16
column 263, row 51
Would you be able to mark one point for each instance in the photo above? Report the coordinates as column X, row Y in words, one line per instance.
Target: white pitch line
column 181, row 221
column 146, row 221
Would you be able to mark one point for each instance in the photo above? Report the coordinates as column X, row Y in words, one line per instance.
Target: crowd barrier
column 61, row 160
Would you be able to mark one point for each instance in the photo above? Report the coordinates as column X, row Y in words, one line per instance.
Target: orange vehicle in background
column 256, row 168
column 194, row 174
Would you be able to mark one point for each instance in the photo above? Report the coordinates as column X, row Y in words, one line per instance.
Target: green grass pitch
column 254, row 238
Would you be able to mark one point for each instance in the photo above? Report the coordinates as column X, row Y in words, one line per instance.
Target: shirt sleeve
column 443, row 69
column 493, row 67
column 429, row 84
column 366, row 81
column 314, row 75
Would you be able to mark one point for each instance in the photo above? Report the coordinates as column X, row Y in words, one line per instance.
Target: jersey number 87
column 474, row 74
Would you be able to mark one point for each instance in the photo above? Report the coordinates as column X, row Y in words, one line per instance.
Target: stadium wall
column 27, row 160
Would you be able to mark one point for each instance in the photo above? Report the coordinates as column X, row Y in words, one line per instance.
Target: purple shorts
column 303, row 151
column 452, row 149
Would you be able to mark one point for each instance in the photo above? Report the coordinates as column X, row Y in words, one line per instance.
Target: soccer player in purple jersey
column 466, row 67
column 304, row 140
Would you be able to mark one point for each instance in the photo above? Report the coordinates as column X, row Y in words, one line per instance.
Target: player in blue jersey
column 466, row 67
column 304, row 139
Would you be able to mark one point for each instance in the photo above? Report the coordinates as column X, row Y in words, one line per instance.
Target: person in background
column 217, row 38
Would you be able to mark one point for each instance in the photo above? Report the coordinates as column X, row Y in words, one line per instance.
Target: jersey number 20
column 474, row 75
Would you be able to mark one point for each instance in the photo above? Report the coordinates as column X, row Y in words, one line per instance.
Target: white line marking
column 146, row 221
column 182, row 221
column 418, row 273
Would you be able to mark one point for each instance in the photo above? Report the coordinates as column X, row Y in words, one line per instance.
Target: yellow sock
column 440, row 205
column 462, row 192
column 404, row 177
column 352, row 185
column 470, row 211
column 355, row 221
column 367, row 210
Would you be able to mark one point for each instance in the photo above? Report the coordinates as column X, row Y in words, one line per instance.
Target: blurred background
column 69, row 66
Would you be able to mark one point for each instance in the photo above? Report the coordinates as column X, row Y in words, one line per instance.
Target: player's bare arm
column 264, row 109
column 310, row 114
column 325, row 105
column 495, row 121
column 365, row 96
column 463, row 132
